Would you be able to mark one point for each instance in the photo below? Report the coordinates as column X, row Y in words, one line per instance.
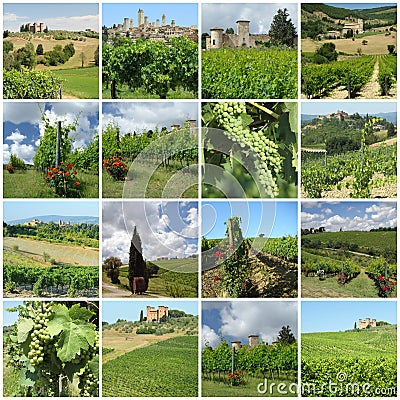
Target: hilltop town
column 153, row 30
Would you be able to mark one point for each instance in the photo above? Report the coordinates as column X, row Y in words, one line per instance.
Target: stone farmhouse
column 363, row 324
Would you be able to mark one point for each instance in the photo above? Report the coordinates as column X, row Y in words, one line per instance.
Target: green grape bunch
column 268, row 161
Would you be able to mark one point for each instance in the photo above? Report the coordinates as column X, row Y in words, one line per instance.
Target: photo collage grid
column 199, row 199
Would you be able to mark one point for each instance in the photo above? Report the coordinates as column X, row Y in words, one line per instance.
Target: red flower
column 70, row 165
column 74, row 172
column 380, row 277
column 216, row 278
column 217, row 254
column 66, row 173
column 384, row 288
column 232, row 247
column 77, row 184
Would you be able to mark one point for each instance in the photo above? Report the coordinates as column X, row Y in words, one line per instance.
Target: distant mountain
column 55, row 218
column 390, row 117
column 307, row 117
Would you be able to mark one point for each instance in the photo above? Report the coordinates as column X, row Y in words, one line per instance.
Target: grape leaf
column 26, row 378
column 24, row 327
column 78, row 312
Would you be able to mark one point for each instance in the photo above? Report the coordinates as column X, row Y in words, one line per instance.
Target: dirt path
column 269, row 276
column 112, row 291
column 372, row 89
column 387, row 142
column 311, row 150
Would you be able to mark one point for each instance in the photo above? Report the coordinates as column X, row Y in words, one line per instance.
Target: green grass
column 123, row 92
column 32, row 184
column 158, row 181
column 220, row 389
column 177, row 265
column 383, row 241
column 360, row 286
column 366, row 343
column 81, row 83
column 168, row 368
column 169, row 283
column 11, row 376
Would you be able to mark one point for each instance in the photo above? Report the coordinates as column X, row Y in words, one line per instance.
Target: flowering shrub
column 342, row 278
column 386, row 286
column 116, row 168
column 63, row 180
column 236, row 378
column 10, row 169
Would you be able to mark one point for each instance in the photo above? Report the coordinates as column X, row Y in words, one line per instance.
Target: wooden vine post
column 230, row 232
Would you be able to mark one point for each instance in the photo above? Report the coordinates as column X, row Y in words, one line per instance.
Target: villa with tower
column 364, row 324
column 153, row 314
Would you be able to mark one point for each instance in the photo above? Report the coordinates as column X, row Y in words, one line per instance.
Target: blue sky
column 13, row 210
column 236, row 320
column 334, row 316
column 166, row 228
column 61, row 16
column 23, row 127
column 274, row 219
column 350, row 216
column 130, row 310
column 323, row 108
column 184, row 14
column 358, row 6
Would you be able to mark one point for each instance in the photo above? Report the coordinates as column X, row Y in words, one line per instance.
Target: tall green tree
column 282, row 30
column 285, row 335
column 111, row 267
column 137, row 266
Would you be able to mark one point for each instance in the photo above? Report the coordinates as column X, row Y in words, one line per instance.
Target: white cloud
column 12, row 17
column 164, row 232
column 209, row 337
column 355, row 219
column 327, row 211
column 75, row 23
column 16, row 136
column 244, row 318
column 225, row 15
column 22, row 151
column 138, row 117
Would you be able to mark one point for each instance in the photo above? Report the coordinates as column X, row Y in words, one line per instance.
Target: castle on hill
column 243, row 37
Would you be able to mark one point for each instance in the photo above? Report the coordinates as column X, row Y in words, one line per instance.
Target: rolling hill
column 55, row 218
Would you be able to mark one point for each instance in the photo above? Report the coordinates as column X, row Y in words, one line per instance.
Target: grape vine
column 254, row 146
column 52, row 345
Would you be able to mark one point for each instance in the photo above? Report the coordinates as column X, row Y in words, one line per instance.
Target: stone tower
column 173, row 23
column 140, row 17
column 253, row 340
column 216, row 38
column 157, row 23
column 243, row 33
column 131, row 24
column 126, row 24
column 146, row 21
column 164, row 20
column 236, row 344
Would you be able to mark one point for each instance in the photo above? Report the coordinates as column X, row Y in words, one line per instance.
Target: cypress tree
column 137, row 265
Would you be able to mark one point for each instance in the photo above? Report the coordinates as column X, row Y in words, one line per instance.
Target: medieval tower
column 243, row 33
column 140, row 17
column 253, row 340
column 164, row 20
